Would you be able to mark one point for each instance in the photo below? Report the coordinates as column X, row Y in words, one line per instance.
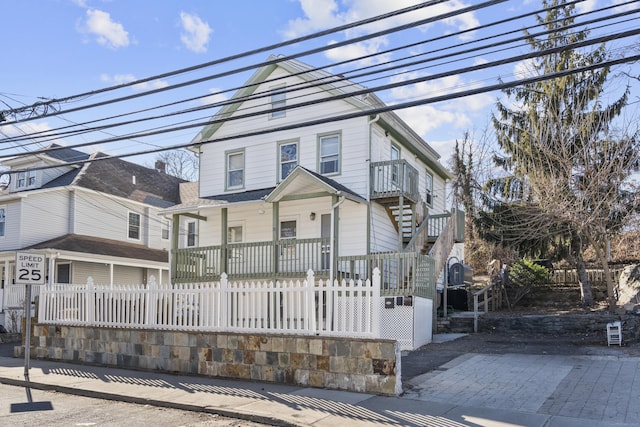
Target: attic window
column 278, row 100
column 26, row 179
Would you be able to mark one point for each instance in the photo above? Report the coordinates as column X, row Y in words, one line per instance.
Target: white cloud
column 318, row 14
column 118, row 79
column 586, row 6
column 357, row 50
column 196, row 33
column 214, row 98
column 108, row 33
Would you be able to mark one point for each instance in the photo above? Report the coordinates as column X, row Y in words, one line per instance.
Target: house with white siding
column 90, row 216
column 303, row 170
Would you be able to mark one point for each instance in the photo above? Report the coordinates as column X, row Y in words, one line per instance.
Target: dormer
column 33, row 171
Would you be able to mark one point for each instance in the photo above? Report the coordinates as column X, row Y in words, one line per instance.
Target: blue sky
column 57, row 48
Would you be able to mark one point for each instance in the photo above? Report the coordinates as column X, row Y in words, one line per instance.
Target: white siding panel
column 44, row 216
column 106, row 217
column 126, row 275
column 384, row 237
column 353, row 229
column 12, row 226
column 81, row 271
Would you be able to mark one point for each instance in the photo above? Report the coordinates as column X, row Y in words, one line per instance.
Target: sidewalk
column 472, row 390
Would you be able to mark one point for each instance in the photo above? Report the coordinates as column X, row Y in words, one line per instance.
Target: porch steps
column 402, row 223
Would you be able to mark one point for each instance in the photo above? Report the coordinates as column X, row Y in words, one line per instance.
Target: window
column 21, row 182
column 192, row 234
column 3, row 211
column 134, row 226
column 428, row 198
column 395, row 171
column 288, row 159
column 330, row 154
column 278, row 100
column 288, row 229
column 165, row 229
column 63, row 273
column 235, row 170
column 26, row 179
column 234, row 235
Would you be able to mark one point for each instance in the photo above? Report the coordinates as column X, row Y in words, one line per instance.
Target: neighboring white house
column 280, row 195
column 95, row 219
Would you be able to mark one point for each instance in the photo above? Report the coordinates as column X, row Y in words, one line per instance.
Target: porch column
column 224, row 259
column 173, row 253
column 275, row 227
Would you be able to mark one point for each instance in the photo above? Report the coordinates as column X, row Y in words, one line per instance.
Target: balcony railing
column 394, row 178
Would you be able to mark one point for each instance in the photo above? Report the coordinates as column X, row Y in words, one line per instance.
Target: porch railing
column 310, row 307
column 402, row 274
column 282, row 258
column 394, row 178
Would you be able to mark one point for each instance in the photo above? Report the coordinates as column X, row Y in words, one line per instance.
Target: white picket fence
column 12, row 296
column 345, row 308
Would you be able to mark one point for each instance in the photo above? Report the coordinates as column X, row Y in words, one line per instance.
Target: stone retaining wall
column 563, row 324
column 360, row 365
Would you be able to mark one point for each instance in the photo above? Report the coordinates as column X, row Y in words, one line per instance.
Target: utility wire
column 271, row 47
column 335, row 79
column 370, row 112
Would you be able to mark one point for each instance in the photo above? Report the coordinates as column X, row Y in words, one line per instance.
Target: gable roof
column 98, row 246
column 334, row 85
column 301, row 182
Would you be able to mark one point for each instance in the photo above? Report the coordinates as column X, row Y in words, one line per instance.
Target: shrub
column 524, row 277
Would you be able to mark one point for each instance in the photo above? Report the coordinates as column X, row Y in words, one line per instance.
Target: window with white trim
column 235, row 170
column 278, row 100
column 395, row 170
column 26, row 179
column 3, row 212
column 192, row 234
column 428, row 197
column 134, row 226
column 329, row 154
column 165, row 230
column 288, row 158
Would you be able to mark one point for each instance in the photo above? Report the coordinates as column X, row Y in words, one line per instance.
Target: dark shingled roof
column 99, row 246
column 116, row 176
column 245, row 196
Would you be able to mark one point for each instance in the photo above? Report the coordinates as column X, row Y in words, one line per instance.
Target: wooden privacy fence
column 341, row 308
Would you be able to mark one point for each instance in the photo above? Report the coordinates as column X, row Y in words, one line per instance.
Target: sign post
column 30, row 268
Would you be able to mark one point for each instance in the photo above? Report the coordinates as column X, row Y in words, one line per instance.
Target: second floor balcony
column 394, row 178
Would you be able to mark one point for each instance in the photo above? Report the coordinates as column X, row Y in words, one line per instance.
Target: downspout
column 333, row 231
column 368, row 194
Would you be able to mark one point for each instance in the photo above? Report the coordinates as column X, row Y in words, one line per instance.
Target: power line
column 264, row 49
column 370, row 112
column 319, row 81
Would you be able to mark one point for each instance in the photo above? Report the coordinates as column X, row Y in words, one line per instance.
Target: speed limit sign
column 30, row 268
